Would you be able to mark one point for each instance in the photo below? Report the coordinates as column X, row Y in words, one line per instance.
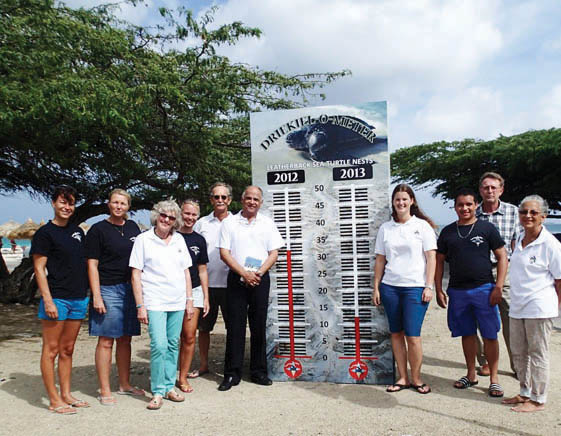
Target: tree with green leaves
column 529, row 162
column 95, row 102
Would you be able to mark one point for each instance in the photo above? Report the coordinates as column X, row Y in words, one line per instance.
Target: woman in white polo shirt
column 162, row 290
column 535, row 287
column 403, row 279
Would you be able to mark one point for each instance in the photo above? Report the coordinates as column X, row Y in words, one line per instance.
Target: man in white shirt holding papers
column 249, row 243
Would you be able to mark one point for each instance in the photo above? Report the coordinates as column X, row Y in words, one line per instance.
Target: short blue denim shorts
column 66, row 308
column 404, row 308
column 469, row 309
column 120, row 318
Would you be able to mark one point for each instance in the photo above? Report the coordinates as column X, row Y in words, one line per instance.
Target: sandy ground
column 292, row 408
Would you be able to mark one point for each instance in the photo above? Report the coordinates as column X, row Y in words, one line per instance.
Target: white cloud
column 472, row 113
column 550, row 109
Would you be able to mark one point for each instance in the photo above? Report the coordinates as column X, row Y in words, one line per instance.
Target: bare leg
column 400, row 355
column 103, row 354
column 204, row 346
column 66, row 347
column 187, row 348
column 415, row 356
column 52, row 331
column 123, row 357
column 529, row 406
column 492, row 354
column 469, row 345
column 516, row 399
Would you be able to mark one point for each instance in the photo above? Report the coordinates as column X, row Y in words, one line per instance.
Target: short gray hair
column 166, row 206
column 252, row 186
column 224, row 185
column 544, row 207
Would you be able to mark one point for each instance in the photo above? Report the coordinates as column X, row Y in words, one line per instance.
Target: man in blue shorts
column 466, row 245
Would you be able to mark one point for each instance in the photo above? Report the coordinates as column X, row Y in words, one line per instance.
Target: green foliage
column 98, row 103
column 529, row 163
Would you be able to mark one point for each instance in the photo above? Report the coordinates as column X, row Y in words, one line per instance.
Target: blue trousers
column 164, row 329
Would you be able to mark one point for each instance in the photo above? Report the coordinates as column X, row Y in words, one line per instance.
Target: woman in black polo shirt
column 57, row 247
column 113, row 312
column 196, row 244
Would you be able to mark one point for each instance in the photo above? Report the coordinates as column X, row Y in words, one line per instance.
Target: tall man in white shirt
column 505, row 218
column 249, row 243
column 209, row 227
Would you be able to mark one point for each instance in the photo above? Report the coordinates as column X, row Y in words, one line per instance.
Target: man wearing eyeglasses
column 209, row 227
column 249, row 244
column 505, row 218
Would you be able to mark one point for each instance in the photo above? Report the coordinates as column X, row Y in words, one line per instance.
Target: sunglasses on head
column 220, row 197
column 529, row 211
column 169, row 217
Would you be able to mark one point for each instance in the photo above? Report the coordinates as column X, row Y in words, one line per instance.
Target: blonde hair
column 166, row 206
column 193, row 203
column 119, row 191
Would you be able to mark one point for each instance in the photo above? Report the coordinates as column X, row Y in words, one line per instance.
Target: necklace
column 468, row 233
column 120, row 229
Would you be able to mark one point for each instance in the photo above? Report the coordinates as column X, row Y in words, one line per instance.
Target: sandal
column 421, row 388
column 155, row 403
column 134, row 391
column 464, row 383
column 495, row 390
column 80, row 403
column 63, row 410
column 107, row 401
column 197, row 373
column 174, row 396
column 399, row 387
column 184, row 387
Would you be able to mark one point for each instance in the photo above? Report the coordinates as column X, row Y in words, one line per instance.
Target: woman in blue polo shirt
column 57, row 247
column 403, row 279
column 112, row 312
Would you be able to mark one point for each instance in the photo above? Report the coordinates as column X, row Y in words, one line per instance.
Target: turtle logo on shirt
column 477, row 240
column 416, row 232
column 132, row 238
column 77, row 235
column 194, row 249
column 533, row 259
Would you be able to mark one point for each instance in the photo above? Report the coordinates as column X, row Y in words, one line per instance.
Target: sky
column 449, row 69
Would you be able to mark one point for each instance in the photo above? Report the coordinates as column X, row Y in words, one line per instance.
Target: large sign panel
column 325, row 175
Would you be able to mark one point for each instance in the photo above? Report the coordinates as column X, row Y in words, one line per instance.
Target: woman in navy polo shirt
column 196, row 244
column 113, row 312
column 403, row 279
column 57, row 247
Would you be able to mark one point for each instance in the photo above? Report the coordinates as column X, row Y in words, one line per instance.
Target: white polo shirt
column 533, row 270
column 404, row 245
column 209, row 227
column 163, row 270
column 250, row 239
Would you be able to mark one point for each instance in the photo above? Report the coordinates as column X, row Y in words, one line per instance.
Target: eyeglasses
column 220, row 197
column 529, row 211
column 169, row 217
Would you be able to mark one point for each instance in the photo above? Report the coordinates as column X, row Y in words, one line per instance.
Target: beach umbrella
column 7, row 227
column 26, row 230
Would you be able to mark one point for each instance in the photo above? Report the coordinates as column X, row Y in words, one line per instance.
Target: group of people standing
column 504, row 267
column 177, row 275
column 166, row 278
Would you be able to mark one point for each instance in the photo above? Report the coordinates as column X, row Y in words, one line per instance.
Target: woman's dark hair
column 66, row 192
column 415, row 209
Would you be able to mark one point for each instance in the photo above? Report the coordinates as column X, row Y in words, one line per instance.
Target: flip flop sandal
column 80, row 403
column 420, row 388
column 107, row 401
column 134, row 391
column 465, row 383
column 174, row 396
column 184, row 387
column 399, row 387
column 495, row 390
column 196, row 373
column 155, row 403
column 63, row 410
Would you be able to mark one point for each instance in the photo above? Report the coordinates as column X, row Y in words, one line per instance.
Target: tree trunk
column 20, row 286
